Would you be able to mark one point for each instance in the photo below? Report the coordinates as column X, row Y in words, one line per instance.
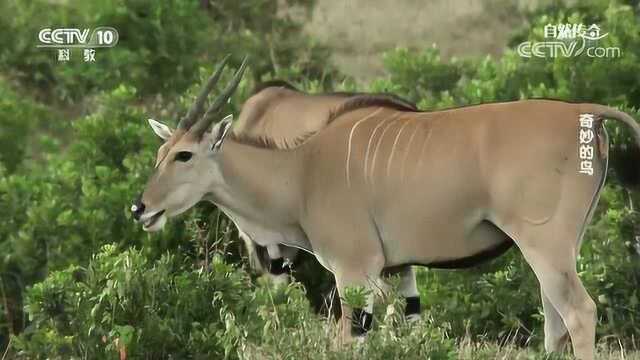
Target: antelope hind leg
column 556, row 334
column 565, row 291
column 551, row 253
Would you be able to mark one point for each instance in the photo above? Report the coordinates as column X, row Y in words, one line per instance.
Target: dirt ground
column 360, row 31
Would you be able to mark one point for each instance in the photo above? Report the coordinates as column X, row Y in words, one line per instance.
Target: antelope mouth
column 148, row 223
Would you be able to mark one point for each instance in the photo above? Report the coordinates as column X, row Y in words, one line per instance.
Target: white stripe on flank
column 353, row 128
column 366, row 155
column 408, row 150
column 393, row 149
column 375, row 152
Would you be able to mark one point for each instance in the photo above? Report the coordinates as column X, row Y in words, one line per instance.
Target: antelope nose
column 137, row 209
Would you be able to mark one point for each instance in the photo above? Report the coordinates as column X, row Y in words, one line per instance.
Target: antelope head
column 186, row 165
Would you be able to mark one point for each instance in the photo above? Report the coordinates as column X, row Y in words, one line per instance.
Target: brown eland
column 381, row 186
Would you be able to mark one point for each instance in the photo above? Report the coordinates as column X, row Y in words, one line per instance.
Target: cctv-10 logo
column 71, row 37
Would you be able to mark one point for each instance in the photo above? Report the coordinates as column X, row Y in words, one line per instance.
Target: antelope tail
column 627, row 164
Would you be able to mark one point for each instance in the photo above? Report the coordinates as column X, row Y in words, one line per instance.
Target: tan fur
column 282, row 118
column 449, row 188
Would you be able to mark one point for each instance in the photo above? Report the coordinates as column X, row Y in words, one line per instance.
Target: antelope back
column 282, row 118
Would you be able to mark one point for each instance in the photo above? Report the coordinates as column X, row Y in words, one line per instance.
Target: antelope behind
column 279, row 116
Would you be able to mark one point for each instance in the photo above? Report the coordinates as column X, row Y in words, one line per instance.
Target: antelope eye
column 184, row 156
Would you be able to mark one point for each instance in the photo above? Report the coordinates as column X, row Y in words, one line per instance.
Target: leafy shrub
column 426, row 78
column 23, row 121
column 160, row 47
column 124, row 303
column 57, row 215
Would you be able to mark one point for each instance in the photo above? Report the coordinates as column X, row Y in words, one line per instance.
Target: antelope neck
column 259, row 183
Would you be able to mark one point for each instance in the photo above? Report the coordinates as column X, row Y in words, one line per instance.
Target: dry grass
column 470, row 351
column 330, row 346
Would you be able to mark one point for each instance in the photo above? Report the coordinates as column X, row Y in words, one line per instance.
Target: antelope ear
column 162, row 130
column 220, row 131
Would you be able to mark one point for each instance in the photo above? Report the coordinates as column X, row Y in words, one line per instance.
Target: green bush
column 59, row 214
column 74, row 201
column 68, row 200
column 123, row 302
column 161, row 44
column 23, row 122
column 425, row 78
column 158, row 48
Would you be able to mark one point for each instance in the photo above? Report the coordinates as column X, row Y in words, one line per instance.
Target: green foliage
column 435, row 83
column 123, row 302
column 67, row 178
column 161, row 45
column 158, row 48
column 22, row 122
column 80, row 199
column 356, row 297
column 61, row 210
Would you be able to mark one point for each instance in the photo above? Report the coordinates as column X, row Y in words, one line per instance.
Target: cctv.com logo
column 569, row 40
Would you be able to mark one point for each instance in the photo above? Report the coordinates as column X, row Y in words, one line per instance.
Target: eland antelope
column 382, row 186
column 279, row 116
